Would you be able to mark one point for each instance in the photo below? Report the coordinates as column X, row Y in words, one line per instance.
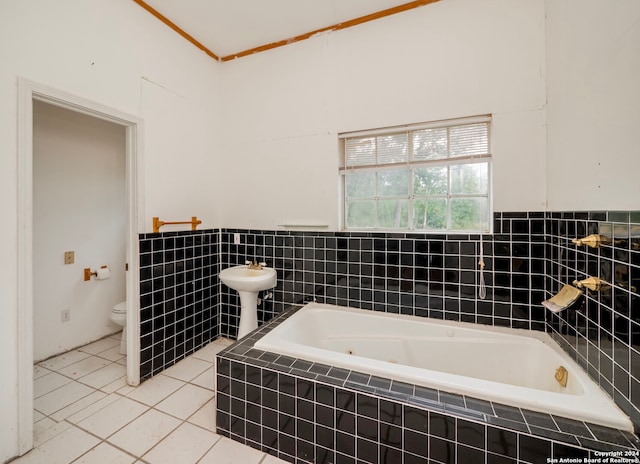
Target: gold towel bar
column 157, row 223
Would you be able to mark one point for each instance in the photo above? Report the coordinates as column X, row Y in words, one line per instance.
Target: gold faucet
column 255, row 265
column 593, row 240
column 592, row 283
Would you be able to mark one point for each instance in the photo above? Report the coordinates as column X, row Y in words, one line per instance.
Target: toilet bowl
column 119, row 316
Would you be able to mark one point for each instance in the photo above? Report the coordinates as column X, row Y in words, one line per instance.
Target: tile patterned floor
column 84, row 412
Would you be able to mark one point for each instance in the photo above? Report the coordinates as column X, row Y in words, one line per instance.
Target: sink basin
column 248, row 282
column 243, row 279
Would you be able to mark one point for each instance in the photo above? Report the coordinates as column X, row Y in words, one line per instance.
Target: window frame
column 410, row 165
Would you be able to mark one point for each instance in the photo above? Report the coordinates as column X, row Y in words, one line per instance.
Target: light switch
column 69, row 257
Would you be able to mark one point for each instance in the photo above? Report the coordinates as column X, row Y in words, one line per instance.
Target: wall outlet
column 69, row 257
column 65, row 315
column 236, row 239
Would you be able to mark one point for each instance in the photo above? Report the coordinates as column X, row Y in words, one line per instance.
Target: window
column 426, row 177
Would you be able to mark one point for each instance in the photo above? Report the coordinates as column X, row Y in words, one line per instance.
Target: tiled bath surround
column 178, row 296
column 528, row 257
column 309, row 412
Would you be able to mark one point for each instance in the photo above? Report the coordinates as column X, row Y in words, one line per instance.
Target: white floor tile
column 226, row 451
column 84, row 367
column 155, row 389
column 145, row 432
column 116, row 385
column 185, row 401
column 93, row 408
column 78, row 393
column 104, row 453
column 125, row 390
column 46, row 429
column 37, row 415
column 206, row 379
column 48, row 383
column 112, row 354
column 205, row 416
column 104, row 376
column 273, row 460
column 61, row 397
column 39, row 371
column 62, row 449
column 76, row 406
column 187, row 369
column 99, row 346
column 187, row 444
column 63, row 360
column 208, row 353
column 110, row 419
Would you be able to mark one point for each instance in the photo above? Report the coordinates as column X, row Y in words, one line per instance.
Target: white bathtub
column 509, row 366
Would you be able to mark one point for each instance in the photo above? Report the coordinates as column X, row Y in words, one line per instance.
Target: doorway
column 79, row 220
column 28, row 93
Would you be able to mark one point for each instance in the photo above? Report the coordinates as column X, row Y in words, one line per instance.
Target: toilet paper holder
column 88, row 273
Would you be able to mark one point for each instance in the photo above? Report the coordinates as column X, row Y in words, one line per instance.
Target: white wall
column 79, row 205
column 284, row 108
column 593, row 67
column 113, row 53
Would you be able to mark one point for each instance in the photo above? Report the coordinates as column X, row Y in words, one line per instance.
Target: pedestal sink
column 248, row 281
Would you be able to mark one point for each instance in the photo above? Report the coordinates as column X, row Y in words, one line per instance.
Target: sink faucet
column 255, row 265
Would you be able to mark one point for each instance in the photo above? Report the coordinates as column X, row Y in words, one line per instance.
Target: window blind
column 461, row 139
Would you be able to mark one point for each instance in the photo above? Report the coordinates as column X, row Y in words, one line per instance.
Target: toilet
column 119, row 316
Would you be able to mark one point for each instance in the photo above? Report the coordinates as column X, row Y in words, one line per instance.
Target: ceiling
column 225, row 28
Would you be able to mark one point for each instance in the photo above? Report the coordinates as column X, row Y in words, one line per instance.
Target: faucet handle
column 255, row 265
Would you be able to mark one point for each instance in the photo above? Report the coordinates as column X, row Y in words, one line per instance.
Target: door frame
column 28, row 91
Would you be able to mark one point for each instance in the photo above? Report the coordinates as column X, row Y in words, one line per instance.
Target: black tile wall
column 425, row 275
column 178, row 296
column 602, row 331
column 528, row 258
